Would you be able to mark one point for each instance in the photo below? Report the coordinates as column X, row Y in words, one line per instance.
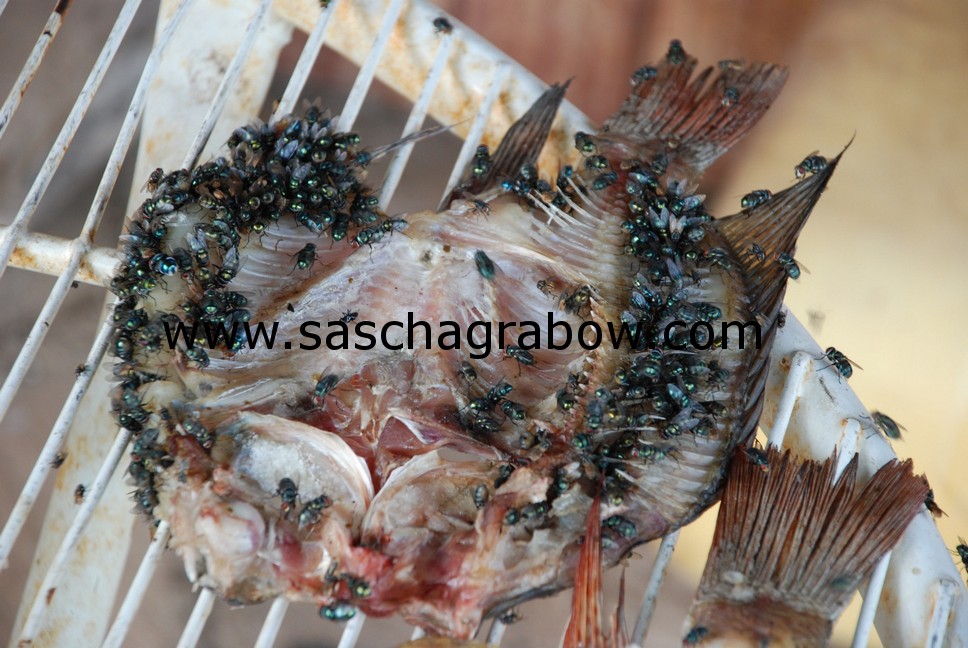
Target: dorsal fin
column 521, row 144
column 774, row 226
column 693, row 122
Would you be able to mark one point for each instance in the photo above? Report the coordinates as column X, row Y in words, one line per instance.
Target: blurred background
column 885, row 248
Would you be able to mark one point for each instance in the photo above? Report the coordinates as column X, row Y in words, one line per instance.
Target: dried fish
column 236, row 394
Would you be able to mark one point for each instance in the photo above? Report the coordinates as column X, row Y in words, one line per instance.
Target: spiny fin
column 521, row 145
column 773, row 225
column 792, row 545
column 412, row 138
column 693, row 123
column 620, row 635
column 585, row 626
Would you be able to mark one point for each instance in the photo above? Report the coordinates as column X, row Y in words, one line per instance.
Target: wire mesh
column 429, row 76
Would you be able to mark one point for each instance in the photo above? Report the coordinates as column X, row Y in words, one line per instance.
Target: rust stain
column 62, row 6
column 81, row 446
column 889, row 603
column 502, row 116
column 85, row 272
column 22, row 258
column 150, row 145
column 50, row 594
column 560, row 147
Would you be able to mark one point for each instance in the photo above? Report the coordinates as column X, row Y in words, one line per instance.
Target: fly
column 811, row 164
column 840, row 362
column 755, row 198
column 323, row 386
column 442, row 25
column 288, row 493
column 756, row 252
column 306, row 257
column 521, row 355
column 791, row 267
column 468, row 371
column 887, row 425
column 758, row 458
column 484, row 264
column 313, row 510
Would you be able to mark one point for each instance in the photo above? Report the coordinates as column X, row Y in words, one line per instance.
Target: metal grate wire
column 795, row 409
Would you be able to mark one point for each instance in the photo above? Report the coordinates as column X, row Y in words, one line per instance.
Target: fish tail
column 793, row 543
column 694, row 121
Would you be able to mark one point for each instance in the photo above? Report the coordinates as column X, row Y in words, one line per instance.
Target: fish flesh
column 390, row 443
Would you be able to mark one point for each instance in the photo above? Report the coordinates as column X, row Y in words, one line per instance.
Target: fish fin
column 792, row 544
column 585, row 628
column 773, row 225
column 521, row 144
column 620, row 635
column 693, row 122
column 412, row 138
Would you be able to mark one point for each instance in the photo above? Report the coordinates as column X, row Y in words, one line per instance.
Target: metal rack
column 211, row 64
